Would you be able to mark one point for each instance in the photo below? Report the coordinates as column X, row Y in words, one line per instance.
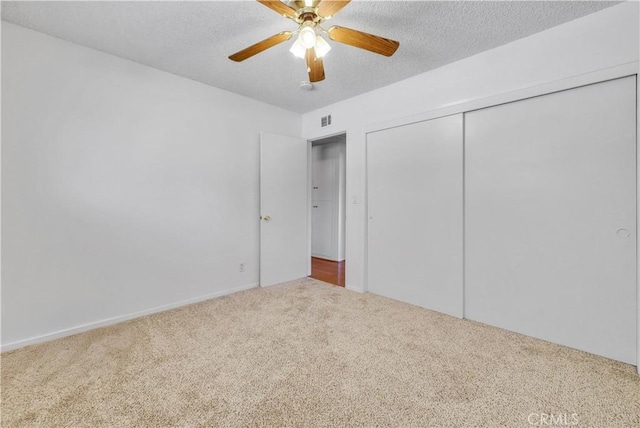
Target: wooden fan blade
column 279, row 7
column 328, row 8
column 362, row 40
column 315, row 67
column 261, row 46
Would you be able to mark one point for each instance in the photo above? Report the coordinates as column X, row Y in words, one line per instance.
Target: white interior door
column 414, row 181
column 325, row 159
column 324, row 207
column 284, row 209
column 323, row 231
column 551, row 218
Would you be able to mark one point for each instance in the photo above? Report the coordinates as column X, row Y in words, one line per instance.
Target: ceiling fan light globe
column 297, row 49
column 307, row 37
column 322, row 47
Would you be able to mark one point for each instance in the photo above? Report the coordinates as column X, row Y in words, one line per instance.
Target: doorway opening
column 328, row 209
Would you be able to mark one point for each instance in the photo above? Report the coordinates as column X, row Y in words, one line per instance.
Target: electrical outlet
column 241, row 267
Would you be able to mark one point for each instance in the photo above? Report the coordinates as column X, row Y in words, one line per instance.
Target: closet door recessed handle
column 623, row 233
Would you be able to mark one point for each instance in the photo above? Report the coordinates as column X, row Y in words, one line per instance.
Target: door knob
column 266, row 217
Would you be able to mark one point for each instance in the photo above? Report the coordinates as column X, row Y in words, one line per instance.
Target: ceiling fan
column 309, row 15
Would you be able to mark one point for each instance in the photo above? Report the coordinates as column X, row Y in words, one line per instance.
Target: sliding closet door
column 414, row 181
column 550, row 191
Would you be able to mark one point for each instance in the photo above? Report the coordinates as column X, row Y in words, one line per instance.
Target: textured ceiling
column 194, row 39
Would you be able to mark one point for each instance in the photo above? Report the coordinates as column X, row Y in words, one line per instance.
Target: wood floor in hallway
column 328, row 271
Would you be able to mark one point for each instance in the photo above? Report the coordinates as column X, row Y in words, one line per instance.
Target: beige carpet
column 310, row 354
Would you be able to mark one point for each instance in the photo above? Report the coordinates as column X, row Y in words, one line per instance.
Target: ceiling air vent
column 325, row 121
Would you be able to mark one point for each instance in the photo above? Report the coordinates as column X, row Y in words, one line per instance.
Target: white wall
column 128, row 188
column 124, row 188
column 608, row 38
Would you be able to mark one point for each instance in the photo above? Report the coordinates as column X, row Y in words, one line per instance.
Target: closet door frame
column 541, row 88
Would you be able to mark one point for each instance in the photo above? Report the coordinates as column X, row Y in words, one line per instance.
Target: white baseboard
column 331, row 259
column 115, row 320
column 356, row 289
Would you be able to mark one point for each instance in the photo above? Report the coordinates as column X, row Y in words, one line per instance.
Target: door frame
column 310, row 178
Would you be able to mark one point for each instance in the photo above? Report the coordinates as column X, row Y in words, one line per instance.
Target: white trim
column 355, row 289
column 538, row 89
column 365, row 201
column 309, row 203
column 115, row 320
column 637, row 224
